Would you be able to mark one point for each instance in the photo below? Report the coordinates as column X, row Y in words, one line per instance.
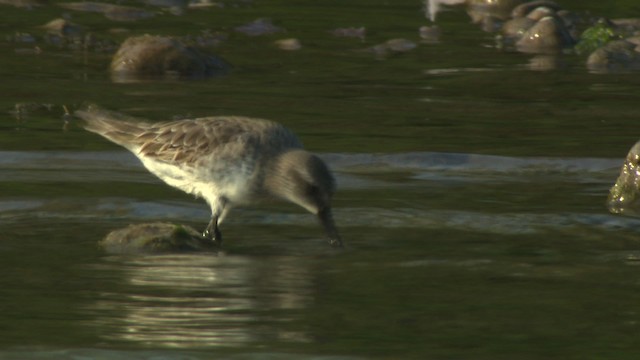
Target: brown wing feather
column 187, row 140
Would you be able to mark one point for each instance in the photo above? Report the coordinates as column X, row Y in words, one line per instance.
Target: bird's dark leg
column 212, row 231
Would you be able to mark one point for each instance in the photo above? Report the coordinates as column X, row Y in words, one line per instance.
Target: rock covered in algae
column 624, row 196
column 148, row 56
column 155, row 238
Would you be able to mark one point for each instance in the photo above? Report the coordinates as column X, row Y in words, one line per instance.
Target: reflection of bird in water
column 196, row 300
column 227, row 161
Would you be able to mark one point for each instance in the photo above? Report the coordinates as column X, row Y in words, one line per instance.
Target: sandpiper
column 227, row 160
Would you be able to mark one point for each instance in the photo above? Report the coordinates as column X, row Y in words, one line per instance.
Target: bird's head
column 304, row 179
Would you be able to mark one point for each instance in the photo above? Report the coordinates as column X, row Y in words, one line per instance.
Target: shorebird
column 226, row 160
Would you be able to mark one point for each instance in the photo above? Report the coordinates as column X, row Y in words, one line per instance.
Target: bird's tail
column 117, row 127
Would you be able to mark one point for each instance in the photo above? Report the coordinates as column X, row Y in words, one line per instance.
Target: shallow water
column 471, row 198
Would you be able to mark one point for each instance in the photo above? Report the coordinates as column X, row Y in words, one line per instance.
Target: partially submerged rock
column 499, row 9
column 615, row 55
column 526, row 8
column 28, row 4
column 290, row 44
column 393, row 46
column 112, row 12
column 547, row 35
column 155, row 238
column 143, row 57
column 430, row 34
column 624, row 196
column 259, row 27
column 63, row 27
column 359, row 33
column 515, row 28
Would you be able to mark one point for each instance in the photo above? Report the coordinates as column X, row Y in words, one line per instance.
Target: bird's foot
column 213, row 235
column 335, row 243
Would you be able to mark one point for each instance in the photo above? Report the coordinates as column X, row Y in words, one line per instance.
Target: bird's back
column 188, row 141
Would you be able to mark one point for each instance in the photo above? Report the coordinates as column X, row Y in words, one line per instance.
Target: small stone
column 393, row 46
column 359, row 33
column 288, row 44
column 156, row 238
column 259, row 27
column 62, row 27
column 400, row 45
column 430, row 34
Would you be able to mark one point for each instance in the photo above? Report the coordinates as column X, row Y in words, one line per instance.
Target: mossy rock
column 624, row 196
column 156, row 238
column 596, row 37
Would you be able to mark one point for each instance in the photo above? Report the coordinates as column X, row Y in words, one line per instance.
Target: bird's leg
column 218, row 211
column 212, row 232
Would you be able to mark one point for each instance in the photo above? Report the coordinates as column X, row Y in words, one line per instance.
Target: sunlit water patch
column 201, row 301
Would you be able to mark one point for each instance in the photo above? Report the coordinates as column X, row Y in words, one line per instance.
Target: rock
column 27, row 4
column 359, row 33
column 204, row 4
column 112, row 12
column 156, row 238
column 168, row 4
column 152, row 56
column 63, row 28
column 430, row 34
column 259, row 27
column 596, row 37
column 515, row 28
column 624, row 196
column 615, row 55
column 540, row 12
column 547, row 36
column 523, row 9
column 288, row 44
column 635, row 40
column 627, row 25
column 499, row 9
column 545, row 62
column 393, row 46
column 400, row 45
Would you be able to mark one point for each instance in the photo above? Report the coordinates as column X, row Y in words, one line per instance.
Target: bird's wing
column 187, row 140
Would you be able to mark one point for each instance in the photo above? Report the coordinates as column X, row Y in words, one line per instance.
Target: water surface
column 471, row 198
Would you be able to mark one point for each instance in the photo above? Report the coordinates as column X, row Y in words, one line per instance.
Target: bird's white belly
column 231, row 183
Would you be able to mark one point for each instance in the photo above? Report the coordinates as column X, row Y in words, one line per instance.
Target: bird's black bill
column 326, row 219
